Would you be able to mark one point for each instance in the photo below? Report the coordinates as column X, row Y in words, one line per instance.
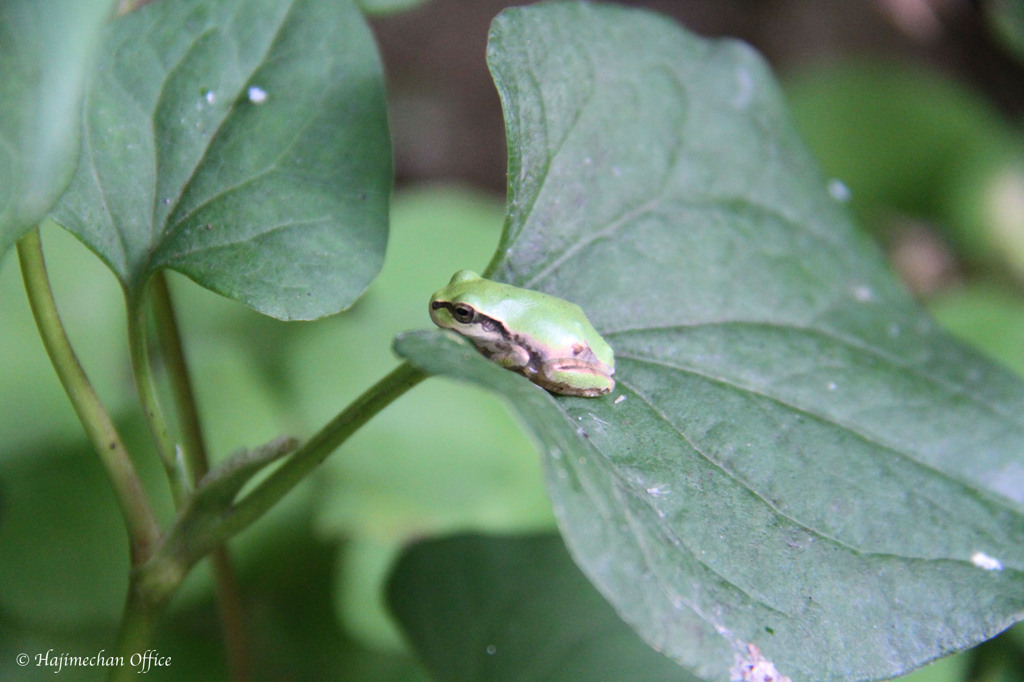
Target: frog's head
column 462, row 306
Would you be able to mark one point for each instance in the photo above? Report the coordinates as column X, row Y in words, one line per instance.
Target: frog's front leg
column 508, row 355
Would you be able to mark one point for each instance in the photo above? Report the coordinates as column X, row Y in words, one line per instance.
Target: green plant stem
column 150, row 588
column 136, row 631
column 232, row 615
column 203, row 524
column 140, row 521
column 317, row 448
column 142, row 370
column 173, row 355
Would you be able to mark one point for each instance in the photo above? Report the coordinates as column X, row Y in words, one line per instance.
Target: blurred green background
column 914, row 109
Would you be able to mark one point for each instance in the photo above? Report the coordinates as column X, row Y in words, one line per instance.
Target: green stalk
column 150, row 588
column 173, row 354
column 202, row 524
column 171, row 454
column 206, row 522
column 232, row 616
column 140, row 521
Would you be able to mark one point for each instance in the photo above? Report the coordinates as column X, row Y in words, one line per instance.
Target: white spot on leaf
column 982, row 560
column 257, row 95
column 660, row 490
column 838, row 190
column 863, row 294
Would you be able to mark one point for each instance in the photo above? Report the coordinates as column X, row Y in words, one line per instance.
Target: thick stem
column 138, row 623
column 143, row 529
column 173, row 355
column 150, row 588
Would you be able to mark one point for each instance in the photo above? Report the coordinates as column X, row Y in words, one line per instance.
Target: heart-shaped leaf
column 795, row 457
column 490, row 608
column 46, row 48
column 243, row 143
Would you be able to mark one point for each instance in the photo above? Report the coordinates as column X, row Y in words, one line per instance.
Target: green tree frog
column 546, row 339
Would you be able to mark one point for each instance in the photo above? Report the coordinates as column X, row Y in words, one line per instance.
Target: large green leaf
column 46, row 48
column 795, row 457
column 243, row 143
column 488, row 608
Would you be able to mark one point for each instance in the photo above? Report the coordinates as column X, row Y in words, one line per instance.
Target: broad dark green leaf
column 46, row 49
column 243, row 143
column 795, row 457
column 488, row 608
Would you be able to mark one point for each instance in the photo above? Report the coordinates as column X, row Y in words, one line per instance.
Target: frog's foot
column 571, row 376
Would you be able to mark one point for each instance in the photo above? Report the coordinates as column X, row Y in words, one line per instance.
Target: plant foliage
column 795, row 456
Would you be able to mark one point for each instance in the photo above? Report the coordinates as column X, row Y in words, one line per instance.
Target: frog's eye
column 463, row 313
